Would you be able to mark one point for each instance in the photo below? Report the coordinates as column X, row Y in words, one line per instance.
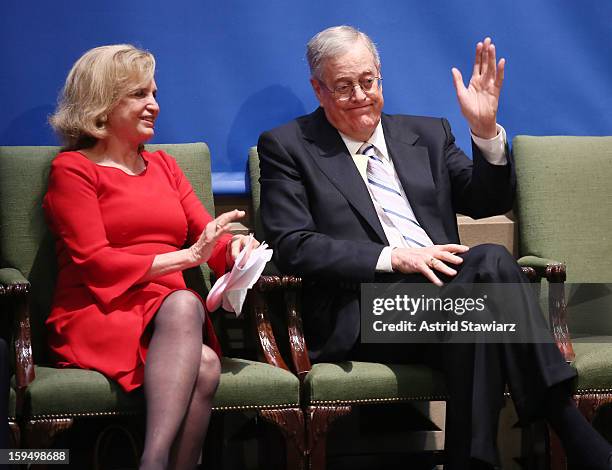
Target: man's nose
column 358, row 93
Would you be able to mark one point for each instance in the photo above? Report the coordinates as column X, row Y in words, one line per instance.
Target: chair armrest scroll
column 12, row 282
column 299, row 351
column 14, row 290
column 551, row 270
column 263, row 327
column 290, row 286
column 555, row 273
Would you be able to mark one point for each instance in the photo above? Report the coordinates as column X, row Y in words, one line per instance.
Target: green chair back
column 194, row 160
column 564, row 202
column 254, row 175
column 255, row 192
column 564, row 213
column 26, row 243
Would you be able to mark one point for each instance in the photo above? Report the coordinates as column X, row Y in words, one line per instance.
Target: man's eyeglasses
column 344, row 90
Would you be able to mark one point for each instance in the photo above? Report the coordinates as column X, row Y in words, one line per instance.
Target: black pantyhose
column 181, row 376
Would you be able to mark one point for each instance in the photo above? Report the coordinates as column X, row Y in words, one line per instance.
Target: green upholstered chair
column 564, row 213
column 330, row 390
column 46, row 400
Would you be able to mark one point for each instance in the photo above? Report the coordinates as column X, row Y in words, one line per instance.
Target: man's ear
column 316, row 86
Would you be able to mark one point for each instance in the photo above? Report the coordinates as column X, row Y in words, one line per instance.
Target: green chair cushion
column 76, row 392
column 594, row 365
column 368, row 382
column 249, row 384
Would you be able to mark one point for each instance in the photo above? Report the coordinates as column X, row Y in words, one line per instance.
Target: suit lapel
column 413, row 168
column 334, row 160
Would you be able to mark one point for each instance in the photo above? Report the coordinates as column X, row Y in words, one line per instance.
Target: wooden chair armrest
column 299, row 350
column 14, row 293
column 258, row 307
column 290, row 286
column 13, row 283
column 555, row 273
column 537, row 268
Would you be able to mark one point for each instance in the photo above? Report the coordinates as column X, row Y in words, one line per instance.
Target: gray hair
column 332, row 42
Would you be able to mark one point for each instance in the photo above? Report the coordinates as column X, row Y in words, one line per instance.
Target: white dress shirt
column 493, row 150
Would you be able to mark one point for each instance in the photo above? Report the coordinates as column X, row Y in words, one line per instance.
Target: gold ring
column 432, row 262
column 217, row 227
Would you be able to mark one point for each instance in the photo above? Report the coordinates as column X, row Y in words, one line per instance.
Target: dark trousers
column 477, row 374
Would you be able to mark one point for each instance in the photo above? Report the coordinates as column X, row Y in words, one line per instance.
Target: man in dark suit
column 352, row 195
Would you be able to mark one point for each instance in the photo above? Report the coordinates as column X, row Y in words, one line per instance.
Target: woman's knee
column 209, row 373
column 183, row 307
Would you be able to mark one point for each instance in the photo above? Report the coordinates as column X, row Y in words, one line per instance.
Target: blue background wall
column 229, row 69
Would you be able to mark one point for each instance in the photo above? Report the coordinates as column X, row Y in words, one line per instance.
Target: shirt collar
column 377, row 138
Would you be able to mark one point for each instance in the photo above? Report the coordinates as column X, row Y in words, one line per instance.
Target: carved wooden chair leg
column 589, row 404
column 40, row 434
column 15, row 435
column 290, row 422
column 318, row 420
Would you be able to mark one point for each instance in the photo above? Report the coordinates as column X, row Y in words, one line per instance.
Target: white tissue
column 230, row 290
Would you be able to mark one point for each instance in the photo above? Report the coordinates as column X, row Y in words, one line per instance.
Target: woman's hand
column 236, row 246
column 201, row 250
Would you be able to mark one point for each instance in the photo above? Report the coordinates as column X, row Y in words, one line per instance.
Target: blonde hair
column 96, row 83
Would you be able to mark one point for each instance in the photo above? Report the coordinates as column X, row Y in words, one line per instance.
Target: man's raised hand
column 480, row 100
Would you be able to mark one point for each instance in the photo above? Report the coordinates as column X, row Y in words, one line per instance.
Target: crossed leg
column 181, row 376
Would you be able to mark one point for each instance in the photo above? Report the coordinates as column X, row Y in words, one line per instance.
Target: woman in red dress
column 122, row 217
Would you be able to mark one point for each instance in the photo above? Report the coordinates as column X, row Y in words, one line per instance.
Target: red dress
column 109, row 227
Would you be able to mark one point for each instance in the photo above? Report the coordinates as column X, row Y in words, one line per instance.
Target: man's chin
column 361, row 132
column 365, row 125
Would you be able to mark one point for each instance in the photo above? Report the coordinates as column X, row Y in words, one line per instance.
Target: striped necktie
column 385, row 190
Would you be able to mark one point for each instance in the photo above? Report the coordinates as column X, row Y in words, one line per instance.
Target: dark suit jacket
column 318, row 216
